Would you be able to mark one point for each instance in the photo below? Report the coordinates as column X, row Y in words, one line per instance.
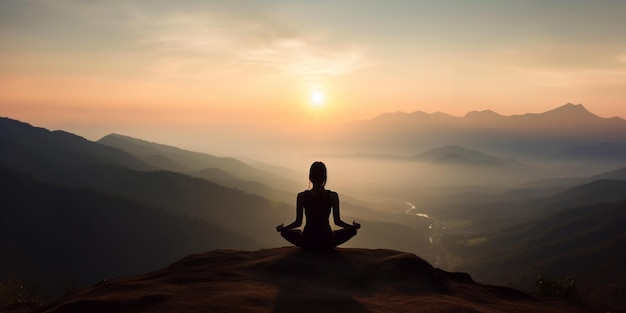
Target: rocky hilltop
column 292, row 280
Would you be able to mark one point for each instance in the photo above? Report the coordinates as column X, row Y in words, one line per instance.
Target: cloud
column 305, row 57
column 187, row 39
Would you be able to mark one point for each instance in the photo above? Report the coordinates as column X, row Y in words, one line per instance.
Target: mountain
column 54, row 237
column 618, row 174
column 586, row 242
column 292, row 280
column 34, row 149
column 602, row 151
column 445, row 155
column 68, row 160
column 566, row 113
column 178, row 160
column 462, row 156
column 254, row 187
column 544, row 199
column 587, row 193
column 563, row 183
column 228, row 172
column 532, row 135
column 484, row 115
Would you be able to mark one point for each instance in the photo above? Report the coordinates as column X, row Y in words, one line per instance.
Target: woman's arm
column 299, row 213
column 334, row 198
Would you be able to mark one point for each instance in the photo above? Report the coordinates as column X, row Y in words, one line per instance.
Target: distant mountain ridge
column 585, row 242
column 532, row 134
column 50, row 234
column 179, row 160
column 463, row 156
column 600, row 151
column 226, row 171
column 590, row 192
column 445, row 155
column 567, row 111
column 28, row 148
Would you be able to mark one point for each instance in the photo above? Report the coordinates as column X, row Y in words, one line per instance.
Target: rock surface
column 292, row 280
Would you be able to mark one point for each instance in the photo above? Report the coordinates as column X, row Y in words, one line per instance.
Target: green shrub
column 13, row 291
column 566, row 289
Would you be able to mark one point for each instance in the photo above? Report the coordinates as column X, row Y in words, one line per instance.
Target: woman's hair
column 317, row 174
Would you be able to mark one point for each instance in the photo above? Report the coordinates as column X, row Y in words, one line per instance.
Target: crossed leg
column 340, row 236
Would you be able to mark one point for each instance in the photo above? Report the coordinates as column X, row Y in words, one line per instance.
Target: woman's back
column 317, row 208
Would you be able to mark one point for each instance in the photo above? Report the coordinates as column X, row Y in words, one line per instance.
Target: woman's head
column 317, row 173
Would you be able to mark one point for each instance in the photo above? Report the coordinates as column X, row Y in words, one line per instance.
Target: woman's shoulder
column 327, row 192
column 331, row 193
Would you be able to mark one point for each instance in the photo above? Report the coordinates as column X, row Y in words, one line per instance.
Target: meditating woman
column 317, row 204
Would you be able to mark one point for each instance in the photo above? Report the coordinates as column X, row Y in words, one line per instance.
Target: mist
column 463, row 205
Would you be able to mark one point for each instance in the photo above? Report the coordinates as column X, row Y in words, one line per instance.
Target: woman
column 316, row 204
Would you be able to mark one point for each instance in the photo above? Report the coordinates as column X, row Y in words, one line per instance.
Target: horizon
column 181, row 73
column 250, row 136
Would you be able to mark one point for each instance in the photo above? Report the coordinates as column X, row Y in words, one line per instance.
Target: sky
column 181, row 72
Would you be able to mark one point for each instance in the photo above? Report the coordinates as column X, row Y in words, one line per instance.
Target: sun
column 317, row 98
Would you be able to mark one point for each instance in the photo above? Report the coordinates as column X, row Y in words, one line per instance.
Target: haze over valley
column 458, row 206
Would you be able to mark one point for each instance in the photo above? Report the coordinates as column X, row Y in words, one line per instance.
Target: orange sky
column 199, row 66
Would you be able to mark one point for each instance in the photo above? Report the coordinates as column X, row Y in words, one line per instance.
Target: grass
column 13, row 292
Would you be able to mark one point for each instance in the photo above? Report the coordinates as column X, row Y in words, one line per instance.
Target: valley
column 507, row 220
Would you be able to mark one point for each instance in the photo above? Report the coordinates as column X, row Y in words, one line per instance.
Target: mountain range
column 444, row 155
column 59, row 237
column 462, row 156
column 62, row 185
column 586, row 243
column 78, row 211
column 184, row 161
column 570, row 130
column 576, row 233
column 225, row 171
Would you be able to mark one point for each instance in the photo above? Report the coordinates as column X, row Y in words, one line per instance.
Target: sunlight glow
column 317, row 98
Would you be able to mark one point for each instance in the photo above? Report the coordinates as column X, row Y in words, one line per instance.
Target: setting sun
column 317, row 98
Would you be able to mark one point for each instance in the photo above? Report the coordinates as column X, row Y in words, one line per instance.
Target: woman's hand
column 356, row 225
column 280, row 227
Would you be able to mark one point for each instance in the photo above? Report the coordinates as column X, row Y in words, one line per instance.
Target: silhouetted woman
column 316, row 204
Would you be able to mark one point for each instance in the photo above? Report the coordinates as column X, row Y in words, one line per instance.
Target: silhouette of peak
column 11, row 127
column 117, row 137
column 450, row 153
column 137, row 146
column 293, row 280
column 570, row 110
column 10, row 121
column 401, row 115
column 571, row 106
column 452, row 149
column 440, row 115
column 420, row 114
column 482, row 114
